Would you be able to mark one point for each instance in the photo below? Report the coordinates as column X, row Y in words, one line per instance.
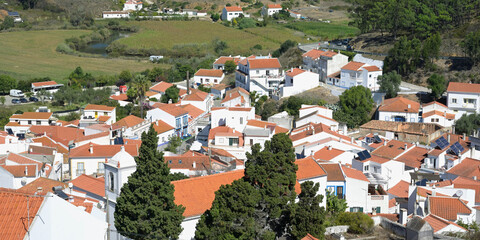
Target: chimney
column 311, row 153
column 434, row 191
column 194, row 165
column 39, row 189
column 106, row 160
column 26, row 171
column 70, row 198
column 352, row 140
column 475, row 178
column 402, row 218
column 448, row 138
column 384, row 142
column 91, row 148
column 409, row 106
column 330, row 147
column 122, row 148
column 117, row 93
column 464, row 136
column 405, row 147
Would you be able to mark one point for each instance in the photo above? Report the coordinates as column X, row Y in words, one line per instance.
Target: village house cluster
column 407, row 163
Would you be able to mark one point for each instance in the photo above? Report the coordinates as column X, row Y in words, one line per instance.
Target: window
column 340, row 192
column 177, row 121
column 468, row 100
column 241, row 120
column 105, row 113
column 163, row 139
column 80, row 168
column 232, row 141
column 433, row 120
column 101, row 167
column 356, row 209
column 39, row 122
column 251, row 141
column 111, row 181
column 29, row 122
column 268, row 72
column 258, row 72
column 185, row 120
column 179, row 161
column 454, row 100
column 220, row 140
column 386, row 118
column 229, row 13
column 366, row 168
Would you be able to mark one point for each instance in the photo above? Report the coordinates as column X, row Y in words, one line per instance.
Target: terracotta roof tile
column 399, row 104
column 121, row 97
column 316, row 53
column 219, row 86
column 468, row 183
column 434, row 102
column 233, row 9
column 21, row 170
column 439, row 113
column 128, row 122
column 392, row 149
column 161, row 126
column 308, row 168
column 209, row 72
column 274, row 6
column 161, row 87
column 107, row 151
column 400, row 190
column 327, row 154
column 264, row 63
column 468, row 168
column 311, row 128
column 238, row 89
column 187, row 160
column 294, row 72
column 354, row 173
column 90, row 184
column 41, row 84
column 372, row 68
column 15, row 208
column 172, row 109
column 45, row 183
column 224, row 131
column 448, row 207
column 463, row 87
column 265, row 124
column 439, row 223
column 309, row 237
column 402, row 127
column 32, row 115
column 193, row 111
column 334, row 171
column 223, row 60
column 414, row 157
column 197, row 194
column 353, row 66
column 99, row 107
column 196, row 95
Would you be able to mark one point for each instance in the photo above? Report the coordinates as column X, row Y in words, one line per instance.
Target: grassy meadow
column 30, row 54
column 326, row 31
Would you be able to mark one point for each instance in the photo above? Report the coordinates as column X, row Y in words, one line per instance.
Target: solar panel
column 9, row 130
column 460, row 147
column 377, row 139
column 367, row 154
column 442, row 142
column 364, row 155
column 454, row 149
column 361, row 156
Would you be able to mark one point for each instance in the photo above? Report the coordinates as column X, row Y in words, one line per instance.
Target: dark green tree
column 172, row 93
column 405, row 56
column 7, row 83
column 390, row 84
column 307, row 215
column 246, row 23
column 356, row 104
column 437, row 84
column 7, row 23
column 145, row 208
column 471, row 46
column 230, row 66
column 292, row 105
column 173, row 143
column 467, row 124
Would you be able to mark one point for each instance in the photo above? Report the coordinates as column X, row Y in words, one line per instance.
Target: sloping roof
column 392, row 149
column 120, row 97
column 448, row 207
column 327, row 154
column 308, row 168
column 161, row 126
column 90, row 184
column 463, row 87
column 193, row 111
column 128, row 122
column 372, row 68
column 41, row 84
column 316, row 53
column 353, row 66
column 196, row 95
column 45, row 183
column 238, row 89
column 223, row 60
column 274, row 6
column 439, row 223
column 400, row 189
column 187, row 160
column 264, row 63
column 161, row 87
column 21, row 170
column 107, row 151
column 422, row 129
column 32, row 115
column 334, row 171
column 468, row 168
column 233, row 9
column 399, row 104
column 311, row 129
column 414, row 157
column 265, row 124
column 434, row 102
column 209, row 72
column 99, row 107
column 15, row 208
column 172, row 109
column 294, row 72
column 309, row 237
column 468, row 183
column 219, row 86
column 439, row 113
column 197, row 194
column 354, row 173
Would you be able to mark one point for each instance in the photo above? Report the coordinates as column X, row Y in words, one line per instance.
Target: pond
column 101, row 47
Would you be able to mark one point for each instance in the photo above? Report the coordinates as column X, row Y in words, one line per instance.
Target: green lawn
column 326, row 31
column 166, row 34
column 30, row 54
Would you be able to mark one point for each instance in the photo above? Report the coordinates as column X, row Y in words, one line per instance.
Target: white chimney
column 26, row 171
column 117, row 93
column 122, row 148
column 194, row 165
column 384, row 142
column 448, row 138
column 475, row 178
column 91, row 148
column 434, row 191
column 70, row 198
column 409, row 106
column 402, row 218
column 330, row 147
column 405, row 147
column 352, row 140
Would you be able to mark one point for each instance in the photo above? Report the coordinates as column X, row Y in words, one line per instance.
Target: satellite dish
column 70, row 185
column 416, row 169
column 459, row 193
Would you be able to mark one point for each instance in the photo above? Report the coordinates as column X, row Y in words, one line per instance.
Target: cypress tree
column 145, row 208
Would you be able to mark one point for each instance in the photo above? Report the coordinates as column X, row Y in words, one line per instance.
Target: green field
column 166, row 34
column 326, row 31
column 30, row 54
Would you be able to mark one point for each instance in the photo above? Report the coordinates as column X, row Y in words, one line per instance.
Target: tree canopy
column 145, row 208
column 172, row 93
column 437, row 84
column 471, row 46
column 356, row 104
column 7, row 83
column 390, row 84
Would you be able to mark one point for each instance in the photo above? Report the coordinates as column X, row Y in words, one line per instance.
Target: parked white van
column 16, row 93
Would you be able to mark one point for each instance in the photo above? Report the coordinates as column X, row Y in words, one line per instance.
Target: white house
column 233, row 117
column 294, row 14
column 121, row 98
column 262, row 75
column 197, row 119
column 208, row 77
column 399, row 109
column 237, row 97
column 435, row 112
column 229, row 13
column 463, row 98
column 16, row 170
column 444, row 153
column 20, row 123
column 310, row 170
column 333, row 155
column 199, row 99
column 160, row 87
column 380, row 170
column 316, row 135
column 49, row 86
column 130, row 127
column 270, row 9
column 164, row 131
column 297, row 81
column 228, row 139
column 441, row 225
column 93, row 114
column 358, row 74
column 172, row 115
column 115, row 14
column 133, row 5
column 220, row 62
column 316, row 114
column 323, row 62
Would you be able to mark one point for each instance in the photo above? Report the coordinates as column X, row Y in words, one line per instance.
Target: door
column 340, row 192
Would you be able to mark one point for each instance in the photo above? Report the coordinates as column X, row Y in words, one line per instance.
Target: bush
column 358, row 223
column 64, row 48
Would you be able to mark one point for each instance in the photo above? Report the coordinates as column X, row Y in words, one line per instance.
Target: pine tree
column 145, row 208
column 307, row 215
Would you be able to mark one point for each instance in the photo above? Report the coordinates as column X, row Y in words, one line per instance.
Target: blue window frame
column 177, row 122
column 185, row 120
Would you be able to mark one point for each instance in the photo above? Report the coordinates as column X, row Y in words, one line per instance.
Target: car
column 23, row 100
column 15, row 101
column 33, row 99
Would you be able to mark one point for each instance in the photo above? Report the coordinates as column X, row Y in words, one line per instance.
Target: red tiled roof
column 399, row 104
column 186, row 160
column 238, row 89
column 353, row 66
column 274, row 6
column 448, row 207
column 463, row 87
column 400, row 190
column 439, row 113
column 107, row 151
column 372, row 68
column 196, row 95
column 41, row 84
column 308, row 168
column 468, row 168
column 128, row 122
column 468, row 183
column 121, row 97
column 19, row 170
column 392, row 203
column 173, row 109
column 317, row 128
column 439, row 223
column 193, row 111
column 209, row 72
column 222, row 130
column 15, row 208
column 264, row 63
column 197, row 194
column 414, row 158
column 45, row 183
column 309, row 237
column 392, row 149
column 334, row 172
column 90, row 137
column 32, row 115
column 434, row 102
column 99, row 107
column 46, row 141
column 161, row 87
column 161, row 126
column 233, row 9
column 90, row 184
column 223, row 60
column 219, row 86
column 354, row 173
column 221, row 152
column 315, row 54
column 326, row 154
column 294, row 72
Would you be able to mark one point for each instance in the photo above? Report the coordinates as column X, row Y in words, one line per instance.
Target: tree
column 284, row 47
column 467, row 124
column 43, row 94
column 7, row 23
column 471, row 46
column 246, row 23
column 390, row 84
column 356, row 104
column 230, row 66
column 172, row 93
column 405, row 56
column 2, row 100
column 173, row 143
column 219, row 45
column 436, row 83
column 124, row 77
column 307, row 215
column 292, row 105
column 145, row 207
column 26, row 4
column 140, row 86
column 7, row 83
column 215, row 16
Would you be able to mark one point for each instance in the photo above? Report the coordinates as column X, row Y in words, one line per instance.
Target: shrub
column 358, row 222
column 64, row 48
